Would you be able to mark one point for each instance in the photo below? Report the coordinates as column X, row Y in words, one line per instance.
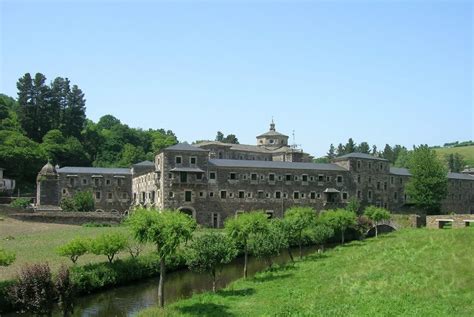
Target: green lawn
column 466, row 151
column 415, row 272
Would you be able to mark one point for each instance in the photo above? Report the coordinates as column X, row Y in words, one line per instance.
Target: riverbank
column 411, row 273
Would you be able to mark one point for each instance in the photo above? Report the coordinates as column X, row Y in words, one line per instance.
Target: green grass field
column 417, row 272
column 466, row 151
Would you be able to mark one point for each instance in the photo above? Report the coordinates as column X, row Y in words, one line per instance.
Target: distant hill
column 467, row 153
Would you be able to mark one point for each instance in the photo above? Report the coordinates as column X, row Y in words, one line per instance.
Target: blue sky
column 378, row 71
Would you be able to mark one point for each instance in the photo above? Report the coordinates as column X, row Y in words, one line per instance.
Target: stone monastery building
column 212, row 181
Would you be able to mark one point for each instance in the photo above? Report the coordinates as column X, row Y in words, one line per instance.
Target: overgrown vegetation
column 20, row 203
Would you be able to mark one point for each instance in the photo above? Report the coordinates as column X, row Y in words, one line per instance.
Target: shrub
column 20, row 203
column 74, row 249
column 339, row 220
column 84, row 201
column 267, row 244
column 96, row 225
column 108, row 244
column 6, row 257
column 65, row 291
column 5, row 300
column 34, row 290
column 298, row 220
column 67, row 204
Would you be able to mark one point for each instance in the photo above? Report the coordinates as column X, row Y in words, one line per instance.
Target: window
column 278, row 195
column 288, row 177
column 370, row 179
column 378, row 185
column 84, row 181
column 370, row 165
column 170, row 176
column 358, row 179
column 370, row 194
column 232, row 176
column 119, row 181
column 296, row 177
column 249, row 195
column 304, row 178
column 385, row 185
column 311, row 178
column 97, row 195
column 211, row 194
column 320, row 178
column 391, row 180
column 267, row 195
column 381, row 166
column 253, row 177
column 96, row 181
column 344, row 196
column 271, row 177
column 109, row 195
column 199, row 176
column 171, row 194
column 231, row 195
column 107, row 182
column 64, row 191
column 262, row 177
column 328, row 178
column 201, row 194
column 260, row 194
column 124, row 195
column 269, row 214
column 318, row 196
column 223, row 194
column 215, row 220
column 358, row 165
column 241, row 194
column 359, row 194
column 296, row 195
column 192, row 160
column 312, row 195
column 395, row 195
column 71, row 181
column 401, row 181
column 188, row 195
column 339, row 179
column 178, row 159
column 212, row 175
column 143, row 196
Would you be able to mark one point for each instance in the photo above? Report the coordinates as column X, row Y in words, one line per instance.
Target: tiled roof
column 275, row 165
column 399, row 171
column 94, row 170
column 247, row 147
column 361, row 156
column 187, row 169
column 405, row 172
column 461, row 176
column 144, row 163
column 271, row 133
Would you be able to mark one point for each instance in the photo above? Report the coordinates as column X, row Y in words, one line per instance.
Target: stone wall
column 458, row 221
column 72, row 218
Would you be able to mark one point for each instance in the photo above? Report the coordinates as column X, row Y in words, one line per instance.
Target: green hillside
column 416, row 272
column 466, row 151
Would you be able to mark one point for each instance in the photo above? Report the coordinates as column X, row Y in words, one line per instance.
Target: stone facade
column 110, row 187
column 6, row 185
column 213, row 181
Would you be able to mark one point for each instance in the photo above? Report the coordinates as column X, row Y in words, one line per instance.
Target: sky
column 397, row 72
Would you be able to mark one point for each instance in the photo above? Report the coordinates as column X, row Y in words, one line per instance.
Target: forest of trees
column 48, row 121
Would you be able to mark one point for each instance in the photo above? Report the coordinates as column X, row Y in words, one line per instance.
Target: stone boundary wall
column 71, row 218
column 458, row 221
column 12, row 210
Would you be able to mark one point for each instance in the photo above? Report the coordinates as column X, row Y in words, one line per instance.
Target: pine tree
column 219, row 136
column 332, row 152
column 364, row 147
column 350, row 146
column 340, row 150
column 388, row 153
column 374, row 150
column 75, row 114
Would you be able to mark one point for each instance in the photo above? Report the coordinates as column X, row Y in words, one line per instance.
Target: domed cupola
column 272, row 138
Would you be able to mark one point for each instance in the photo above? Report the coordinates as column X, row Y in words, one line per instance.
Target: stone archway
column 190, row 211
column 381, row 229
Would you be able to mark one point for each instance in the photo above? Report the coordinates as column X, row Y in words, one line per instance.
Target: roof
column 94, row 170
column 144, row 163
column 400, row 171
column 184, row 147
column 275, row 165
column 246, row 147
column 187, row 169
column 271, row 133
column 360, row 156
column 461, row 176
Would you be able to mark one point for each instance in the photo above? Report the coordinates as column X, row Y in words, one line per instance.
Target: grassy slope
column 407, row 273
column 466, row 151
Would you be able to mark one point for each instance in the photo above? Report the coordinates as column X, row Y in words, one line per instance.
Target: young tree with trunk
column 339, row 220
column 242, row 227
column 108, row 244
column 209, row 252
column 376, row 215
column 74, row 249
column 269, row 243
column 298, row 220
column 167, row 230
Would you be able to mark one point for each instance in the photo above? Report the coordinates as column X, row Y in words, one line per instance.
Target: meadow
column 467, row 153
column 413, row 272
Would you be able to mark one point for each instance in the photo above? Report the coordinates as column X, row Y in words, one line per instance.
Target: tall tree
column 364, row 147
column 332, row 152
column 219, row 136
column 231, row 138
column 456, row 162
column 297, row 221
column 350, row 146
column 75, row 114
column 388, row 153
column 374, row 150
column 340, row 150
column 428, row 185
